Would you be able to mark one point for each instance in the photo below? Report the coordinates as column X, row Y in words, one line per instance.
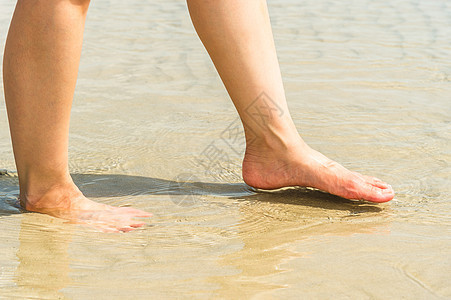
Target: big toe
column 376, row 194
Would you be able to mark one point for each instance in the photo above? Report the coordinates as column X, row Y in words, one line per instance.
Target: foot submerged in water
column 67, row 202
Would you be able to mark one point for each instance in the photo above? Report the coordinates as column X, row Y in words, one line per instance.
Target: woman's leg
column 40, row 67
column 237, row 35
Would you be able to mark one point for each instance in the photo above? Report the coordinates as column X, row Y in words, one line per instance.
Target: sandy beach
column 368, row 84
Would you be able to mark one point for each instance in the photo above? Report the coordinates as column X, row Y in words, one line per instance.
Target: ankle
column 57, row 197
column 47, row 192
column 274, row 138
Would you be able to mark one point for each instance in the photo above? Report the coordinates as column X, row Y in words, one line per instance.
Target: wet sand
column 368, row 84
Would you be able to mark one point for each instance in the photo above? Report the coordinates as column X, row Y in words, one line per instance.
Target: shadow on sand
column 116, row 185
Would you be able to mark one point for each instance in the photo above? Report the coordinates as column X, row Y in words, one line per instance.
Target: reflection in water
column 272, row 223
column 43, row 257
column 242, row 238
column 230, row 242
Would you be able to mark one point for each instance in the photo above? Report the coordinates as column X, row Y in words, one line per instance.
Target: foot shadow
column 309, row 197
column 117, row 185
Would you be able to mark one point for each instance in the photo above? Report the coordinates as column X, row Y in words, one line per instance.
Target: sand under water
column 368, row 84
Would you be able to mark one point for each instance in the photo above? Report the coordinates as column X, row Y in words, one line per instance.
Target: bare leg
column 41, row 60
column 237, row 34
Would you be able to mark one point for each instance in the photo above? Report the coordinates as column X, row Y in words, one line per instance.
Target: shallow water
column 369, row 85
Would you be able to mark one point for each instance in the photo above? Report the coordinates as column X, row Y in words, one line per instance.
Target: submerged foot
column 276, row 165
column 67, row 202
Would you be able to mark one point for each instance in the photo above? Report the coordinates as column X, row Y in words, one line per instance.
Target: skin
column 41, row 60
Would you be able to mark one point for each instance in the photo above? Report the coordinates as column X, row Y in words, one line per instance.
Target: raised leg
column 237, row 35
column 40, row 67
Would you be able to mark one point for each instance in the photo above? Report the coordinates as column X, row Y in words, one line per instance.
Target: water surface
column 369, row 85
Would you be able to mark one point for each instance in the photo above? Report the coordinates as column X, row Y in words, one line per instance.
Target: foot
column 272, row 165
column 67, row 202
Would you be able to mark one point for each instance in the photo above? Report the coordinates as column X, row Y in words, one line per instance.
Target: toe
column 374, row 181
column 379, row 184
column 137, row 225
column 375, row 194
column 125, row 229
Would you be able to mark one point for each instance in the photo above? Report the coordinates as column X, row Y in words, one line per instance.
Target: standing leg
column 40, row 67
column 237, row 35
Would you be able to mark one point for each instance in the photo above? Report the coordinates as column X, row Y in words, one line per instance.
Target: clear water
column 369, row 85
